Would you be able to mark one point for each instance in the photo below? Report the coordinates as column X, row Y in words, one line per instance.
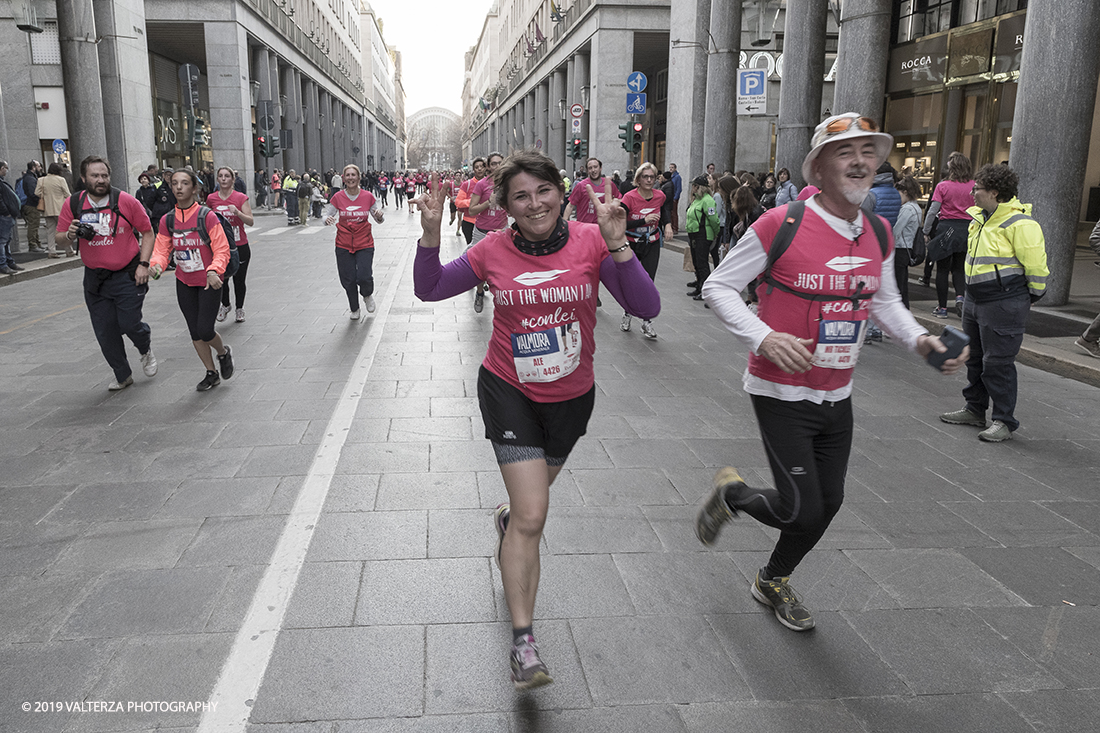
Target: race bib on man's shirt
column 838, row 344
column 547, row 356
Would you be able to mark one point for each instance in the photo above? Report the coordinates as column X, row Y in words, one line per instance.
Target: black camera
column 85, row 231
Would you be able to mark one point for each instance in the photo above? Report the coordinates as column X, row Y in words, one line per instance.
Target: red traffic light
column 637, row 127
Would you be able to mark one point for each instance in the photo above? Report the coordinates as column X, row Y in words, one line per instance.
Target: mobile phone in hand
column 955, row 341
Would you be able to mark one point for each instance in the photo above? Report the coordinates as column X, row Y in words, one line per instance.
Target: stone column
column 800, row 92
column 542, row 133
column 1060, row 88
column 83, row 91
column 324, row 125
column 230, row 98
column 720, row 124
column 687, row 85
column 611, row 60
column 124, row 65
column 581, row 81
column 312, row 126
column 555, row 144
column 864, row 43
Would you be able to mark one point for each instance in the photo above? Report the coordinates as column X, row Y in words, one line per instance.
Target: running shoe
column 149, row 363
column 208, row 382
column 1092, row 348
column 223, row 311
column 240, row 315
column 939, row 312
column 647, row 330
column 528, row 671
column 369, row 300
column 500, row 521
column 225, row 361
column 116, row 385
column 963, row 417
column 788, row 608
column 479, row 300
column 716, row 511
column 625, row 325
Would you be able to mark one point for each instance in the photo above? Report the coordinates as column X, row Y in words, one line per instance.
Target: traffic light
column 624, row 135
column 636, row 138
column 575, row 149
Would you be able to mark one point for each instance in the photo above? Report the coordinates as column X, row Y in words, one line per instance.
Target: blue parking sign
column 635, row 103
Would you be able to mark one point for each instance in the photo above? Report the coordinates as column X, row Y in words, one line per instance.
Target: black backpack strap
column 880, row 233
column 782, row 239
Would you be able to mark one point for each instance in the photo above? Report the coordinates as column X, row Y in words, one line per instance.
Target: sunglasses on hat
column 843, row 124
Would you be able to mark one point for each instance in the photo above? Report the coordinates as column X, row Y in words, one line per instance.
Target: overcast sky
column 433, row 37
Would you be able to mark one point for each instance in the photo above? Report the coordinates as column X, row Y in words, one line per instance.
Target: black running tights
column 808, row 447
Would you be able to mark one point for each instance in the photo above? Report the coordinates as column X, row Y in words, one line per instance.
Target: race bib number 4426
column 546, row 356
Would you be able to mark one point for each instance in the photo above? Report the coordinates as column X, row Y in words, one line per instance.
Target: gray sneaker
column 1092, row 348
column 715, row 510
column 998, row 432
column 528, row 670
column 778, row 594
column 963, row 417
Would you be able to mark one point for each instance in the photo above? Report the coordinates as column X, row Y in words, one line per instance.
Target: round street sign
column 576, row 110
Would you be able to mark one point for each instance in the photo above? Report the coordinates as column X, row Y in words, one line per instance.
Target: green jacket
column 700, row 210
column 1005, row 253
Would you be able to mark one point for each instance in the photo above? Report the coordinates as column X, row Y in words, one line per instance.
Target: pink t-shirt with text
column 544, row 312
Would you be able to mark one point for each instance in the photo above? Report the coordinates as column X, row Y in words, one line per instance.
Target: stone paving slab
column 136, row 527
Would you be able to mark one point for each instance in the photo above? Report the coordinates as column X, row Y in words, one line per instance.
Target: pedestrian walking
column 701, row 223
column 646, row 223
column 193, row 237
column 946, row 225
column 535, row 386
column 233, row 206
column 1006, row 271
column 489, row 215
column 52, row 191
column 109, row 222
column 350, row 210
column 804, row 343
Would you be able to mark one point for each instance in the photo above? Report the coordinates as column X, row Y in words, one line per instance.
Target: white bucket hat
column 844, row 127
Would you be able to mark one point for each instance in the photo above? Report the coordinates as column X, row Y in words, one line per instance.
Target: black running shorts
column 513, row 418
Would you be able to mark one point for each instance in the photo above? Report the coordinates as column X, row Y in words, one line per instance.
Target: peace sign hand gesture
column 612, row 219
column 430, row 205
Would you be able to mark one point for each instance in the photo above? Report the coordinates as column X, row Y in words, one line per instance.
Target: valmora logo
column 538, row 278
column 844, row 264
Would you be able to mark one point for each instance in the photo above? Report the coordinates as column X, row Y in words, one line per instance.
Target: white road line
column 244, row 669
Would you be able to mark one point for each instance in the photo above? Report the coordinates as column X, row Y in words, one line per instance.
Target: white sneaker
column 240, row 315
column 116, row 385
column 647, row 330
column 369, row 300
column 223, row 311
column 355, row 315
column 149, row 363
column 625, row 325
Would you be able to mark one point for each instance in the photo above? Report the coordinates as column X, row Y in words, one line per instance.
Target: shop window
column 915, row 124
column 45, row 47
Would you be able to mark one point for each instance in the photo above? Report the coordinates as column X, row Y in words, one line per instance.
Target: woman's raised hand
column 430, row 205
column 611, row 217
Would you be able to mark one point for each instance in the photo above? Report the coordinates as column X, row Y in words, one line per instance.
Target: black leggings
column 200, row 308
column 239, row 288
column 808, row 447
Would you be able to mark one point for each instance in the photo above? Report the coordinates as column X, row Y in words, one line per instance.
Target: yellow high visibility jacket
column 1005, row 253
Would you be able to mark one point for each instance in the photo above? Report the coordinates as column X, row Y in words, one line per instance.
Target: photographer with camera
column 107, row 223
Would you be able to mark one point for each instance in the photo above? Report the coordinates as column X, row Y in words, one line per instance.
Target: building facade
column 199, row 83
